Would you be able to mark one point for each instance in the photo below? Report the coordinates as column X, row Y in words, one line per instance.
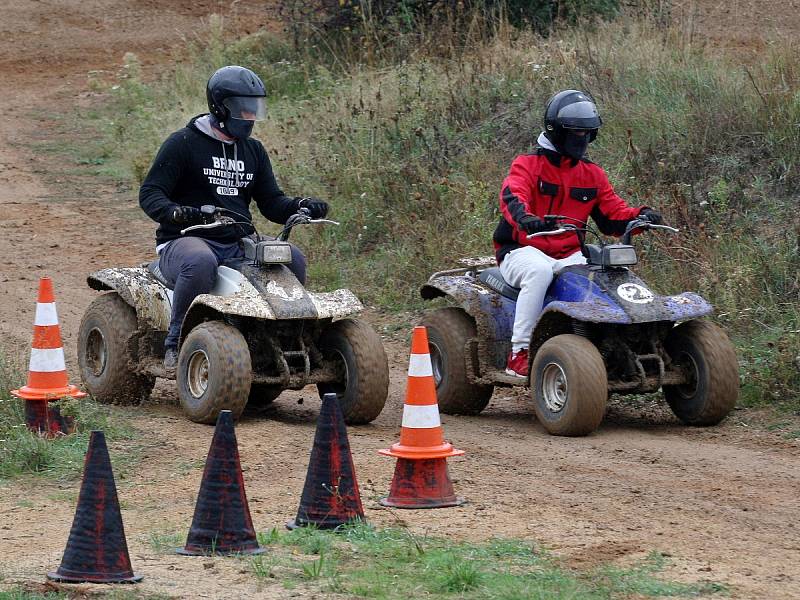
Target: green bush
column 409, row 15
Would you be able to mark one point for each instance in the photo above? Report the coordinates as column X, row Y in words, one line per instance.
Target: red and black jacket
column 549, row 183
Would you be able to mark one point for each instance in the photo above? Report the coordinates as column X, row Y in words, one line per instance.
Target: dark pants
column 190, row 264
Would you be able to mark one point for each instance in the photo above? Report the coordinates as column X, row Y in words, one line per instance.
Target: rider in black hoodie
column 213, row 160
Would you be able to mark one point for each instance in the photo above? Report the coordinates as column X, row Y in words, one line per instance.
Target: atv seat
column 155, row 271
column 494, row 280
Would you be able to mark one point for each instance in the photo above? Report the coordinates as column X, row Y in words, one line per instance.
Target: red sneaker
column 518, row 363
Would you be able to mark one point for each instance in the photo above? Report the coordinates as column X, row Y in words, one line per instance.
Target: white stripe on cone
column 46, row 314
column 47, row 361
column 420, row 366
column 421, row 417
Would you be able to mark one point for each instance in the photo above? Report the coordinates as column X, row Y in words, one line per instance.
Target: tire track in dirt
column 723, row 502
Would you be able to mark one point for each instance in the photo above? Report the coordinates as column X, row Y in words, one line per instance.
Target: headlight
column 619, row 255
column 274, row 253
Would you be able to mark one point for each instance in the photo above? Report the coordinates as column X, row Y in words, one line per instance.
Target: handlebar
column 633, row 224
column 215, row 215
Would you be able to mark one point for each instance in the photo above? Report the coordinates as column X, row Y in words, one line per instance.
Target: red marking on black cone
column 96, row 549
column 330, row 495
column 222, row 523
column 421, row 484
column 46, row 419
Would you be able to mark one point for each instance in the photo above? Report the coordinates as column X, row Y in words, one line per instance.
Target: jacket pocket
column 548, row 189
column 583, row 194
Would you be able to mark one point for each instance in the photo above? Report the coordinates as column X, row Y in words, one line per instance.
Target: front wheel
column 103, row 357
column 214, row 372
column 707, row 357
column 569, row 385
column 449, row 331
column 357, row 353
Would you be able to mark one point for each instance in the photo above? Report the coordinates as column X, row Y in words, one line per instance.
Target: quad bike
column 602, row 331
column 257, row 333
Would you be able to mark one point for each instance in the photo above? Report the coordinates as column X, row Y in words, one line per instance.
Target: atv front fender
column 139, row 289
column 661, row 308
column 247, row 302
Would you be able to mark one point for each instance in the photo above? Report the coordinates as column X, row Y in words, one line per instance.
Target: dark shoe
column 518, row 363
column 171, row 360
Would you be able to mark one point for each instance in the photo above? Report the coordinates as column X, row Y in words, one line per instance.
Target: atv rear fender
column 139, row 289
column 493, row 314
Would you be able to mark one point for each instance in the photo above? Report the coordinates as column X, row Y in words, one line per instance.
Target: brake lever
column 667, row 227
column 565, row 228
column 204, row 226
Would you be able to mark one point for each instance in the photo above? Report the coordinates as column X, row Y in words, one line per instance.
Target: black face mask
column 239, row 128
column 575, row 145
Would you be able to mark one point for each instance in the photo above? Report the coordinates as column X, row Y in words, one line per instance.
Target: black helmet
column 232, row 91
column 570, row 110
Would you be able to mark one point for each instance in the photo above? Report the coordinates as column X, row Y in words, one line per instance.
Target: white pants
column 531, row 270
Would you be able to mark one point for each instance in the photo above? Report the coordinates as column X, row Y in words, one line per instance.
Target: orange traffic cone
column 47, row 371
column 421, row 479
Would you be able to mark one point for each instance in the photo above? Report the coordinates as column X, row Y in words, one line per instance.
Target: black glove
column 653, row 216
column 533, row 224
column 317, row 208
column 185, row 215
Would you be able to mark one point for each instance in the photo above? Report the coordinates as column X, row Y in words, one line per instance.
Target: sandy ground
column 723, row 502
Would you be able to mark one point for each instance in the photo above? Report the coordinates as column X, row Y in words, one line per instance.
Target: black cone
column 96, row 549
column 222, row 523
column 330, row 495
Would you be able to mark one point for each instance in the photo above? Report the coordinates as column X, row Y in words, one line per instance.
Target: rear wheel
column 703, row 351
column 106, row 365
column 569, row 385
column 449, row 331
column 357, row 353
column 214, row 372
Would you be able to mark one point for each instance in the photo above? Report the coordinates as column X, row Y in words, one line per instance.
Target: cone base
column 421, row 484
column 410, row 503
column 64, row 578
column 44, row 418
column 184, row 551
column 414, row 453
column 297, row 523
column 29, row 393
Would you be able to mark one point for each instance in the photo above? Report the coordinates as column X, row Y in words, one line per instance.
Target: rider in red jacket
column 555, row 180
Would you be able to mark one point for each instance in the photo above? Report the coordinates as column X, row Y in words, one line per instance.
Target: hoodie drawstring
column 235, row 161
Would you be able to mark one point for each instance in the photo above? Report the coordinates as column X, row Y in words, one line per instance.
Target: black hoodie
column 193, row 169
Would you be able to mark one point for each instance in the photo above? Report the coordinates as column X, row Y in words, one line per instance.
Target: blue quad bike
column 602, row 331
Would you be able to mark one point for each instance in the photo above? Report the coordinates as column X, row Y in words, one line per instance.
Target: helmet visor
column 580, row 115
column 247, row 108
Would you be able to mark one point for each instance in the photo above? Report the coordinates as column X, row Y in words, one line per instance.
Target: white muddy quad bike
column 257, row 333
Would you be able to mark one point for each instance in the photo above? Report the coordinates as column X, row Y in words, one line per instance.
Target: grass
column 165, row 542
column 25, row 453
column 365, row 562
column 410, row 141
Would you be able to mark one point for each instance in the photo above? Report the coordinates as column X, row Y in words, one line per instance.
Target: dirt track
column 723, row 502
